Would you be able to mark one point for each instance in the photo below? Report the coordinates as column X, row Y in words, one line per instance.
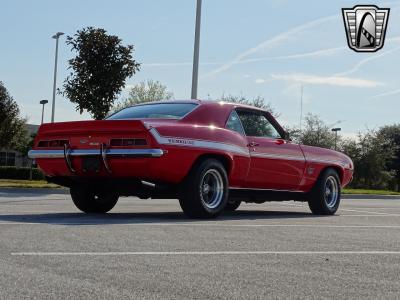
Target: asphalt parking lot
column 148, row 249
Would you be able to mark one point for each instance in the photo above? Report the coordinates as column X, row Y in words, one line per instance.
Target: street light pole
column 195, row 75
column 56, row 37
column 335, row 130
column 43, row 102
column 301, row 106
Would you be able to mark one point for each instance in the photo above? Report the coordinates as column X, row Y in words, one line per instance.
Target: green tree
column 12, row 126
column 390, row 136
column 371, row 157
column 315, row 132
column 99, row 70
column 27, row 144
column 145, row 91
column 256, row 101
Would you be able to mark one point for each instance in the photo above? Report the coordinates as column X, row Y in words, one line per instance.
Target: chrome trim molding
column 187, row 142
column 103, row 152
column 93, row 152
column 67, row 152
column 259, row 189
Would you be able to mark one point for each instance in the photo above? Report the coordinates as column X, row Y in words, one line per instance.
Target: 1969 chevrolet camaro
column 210, row 155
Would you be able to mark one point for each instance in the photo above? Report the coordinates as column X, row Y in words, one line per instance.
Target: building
column 10, row 157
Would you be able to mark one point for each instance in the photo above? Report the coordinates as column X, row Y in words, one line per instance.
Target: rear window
column 154, row 111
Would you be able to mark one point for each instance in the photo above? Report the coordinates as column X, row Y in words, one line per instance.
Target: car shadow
column 145, row 217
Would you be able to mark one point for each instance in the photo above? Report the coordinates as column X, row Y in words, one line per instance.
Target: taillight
column 53, row 143
column 127, row 142
column 140, row 142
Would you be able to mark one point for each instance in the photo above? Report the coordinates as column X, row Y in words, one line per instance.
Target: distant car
column 210, row 155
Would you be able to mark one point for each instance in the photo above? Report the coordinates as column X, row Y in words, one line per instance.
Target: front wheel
column 204, row 192
column 90, row 200
column 325, row 196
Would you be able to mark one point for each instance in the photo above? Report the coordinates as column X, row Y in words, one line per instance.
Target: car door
column 275, row 163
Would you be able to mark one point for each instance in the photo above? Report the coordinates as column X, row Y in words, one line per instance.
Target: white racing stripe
column 194, row 143
column 205, row 253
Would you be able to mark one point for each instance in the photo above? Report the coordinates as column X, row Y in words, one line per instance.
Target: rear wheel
column 204, row 192
column 325, row 196
column 90, row 200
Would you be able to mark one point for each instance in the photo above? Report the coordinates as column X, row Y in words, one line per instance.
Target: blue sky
column 257, row 47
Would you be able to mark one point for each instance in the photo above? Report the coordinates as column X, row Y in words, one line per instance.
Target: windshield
column 154, row 111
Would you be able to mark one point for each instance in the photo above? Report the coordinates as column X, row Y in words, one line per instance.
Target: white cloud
column 364, row 61
column 271, row 43
column 263, row 80
column 318, row 53
column 389, row 93
column 246, row 76
column 326, row 80
column 178, row 64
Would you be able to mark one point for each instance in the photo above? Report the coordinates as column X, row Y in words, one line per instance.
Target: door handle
column 279, row 142
column 253, row 144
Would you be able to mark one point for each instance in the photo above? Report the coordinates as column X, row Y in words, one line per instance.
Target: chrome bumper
column 93, row 152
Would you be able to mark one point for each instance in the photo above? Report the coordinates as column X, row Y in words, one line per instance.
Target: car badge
column 365, row 27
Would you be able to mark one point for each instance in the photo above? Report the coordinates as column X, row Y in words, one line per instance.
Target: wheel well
column 226, row 162
column 337, row 169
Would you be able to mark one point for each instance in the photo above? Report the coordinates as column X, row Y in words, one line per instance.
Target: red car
column 210, row 155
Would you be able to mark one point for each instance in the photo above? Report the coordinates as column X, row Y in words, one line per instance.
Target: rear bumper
column 34, row 154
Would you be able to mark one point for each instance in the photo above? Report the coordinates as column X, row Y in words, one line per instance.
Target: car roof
column 206, row 103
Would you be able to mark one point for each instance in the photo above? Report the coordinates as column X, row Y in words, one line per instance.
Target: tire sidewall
column 318, row 202
column 212, row 164
column 191, row 200
column 332, row 173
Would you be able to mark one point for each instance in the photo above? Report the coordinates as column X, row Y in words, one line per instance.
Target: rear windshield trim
column 195, row 106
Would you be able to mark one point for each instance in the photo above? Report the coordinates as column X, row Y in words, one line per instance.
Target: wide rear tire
column 204, row 193
column 324, row 199
column 89, row 200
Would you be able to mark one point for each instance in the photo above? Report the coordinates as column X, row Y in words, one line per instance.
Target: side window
column 234, row 123
column 256, row 124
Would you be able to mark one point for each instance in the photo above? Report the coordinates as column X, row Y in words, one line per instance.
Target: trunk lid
column 91, row 134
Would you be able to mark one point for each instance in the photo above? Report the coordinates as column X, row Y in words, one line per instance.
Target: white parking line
column 349, row 210
column 368, row 215
column 173, row 253
column 212, row 225
column 369, row 212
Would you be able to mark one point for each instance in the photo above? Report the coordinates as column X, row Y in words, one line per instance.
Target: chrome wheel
column 211, row 189
column 331, row 192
